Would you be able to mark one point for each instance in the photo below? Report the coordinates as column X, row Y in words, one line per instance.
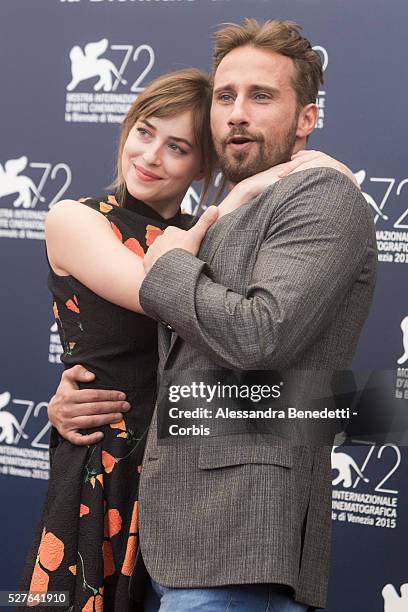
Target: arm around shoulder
column 318, row 241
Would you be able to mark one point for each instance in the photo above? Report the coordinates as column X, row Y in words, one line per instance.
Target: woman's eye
column 142, row 131
column 176, row 148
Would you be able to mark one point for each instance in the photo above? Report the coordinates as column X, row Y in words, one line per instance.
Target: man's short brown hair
column 282, row 37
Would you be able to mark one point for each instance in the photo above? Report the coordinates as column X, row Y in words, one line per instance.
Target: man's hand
column 175, row 238
column 72, row 409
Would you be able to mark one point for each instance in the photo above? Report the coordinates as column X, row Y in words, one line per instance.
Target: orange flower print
column 113, row 523
column 94, row 479
column 152, row 232
column 130, row 556
column 108, row 562
column 135, row 246
column 112, row 200
column 134, row 519
column 120, row 425
column 73, row 304
column 95, row 602
column 50, row 556
column 51, row 551
column 83, row 510
column 116, row 231
column 55, row 310
column 131, row 547
column 39, row 583
column 108, row 461
column 105, row 208
column 73, row 569
column 131, row 243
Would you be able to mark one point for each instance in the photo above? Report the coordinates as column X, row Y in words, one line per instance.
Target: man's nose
column 239, row 113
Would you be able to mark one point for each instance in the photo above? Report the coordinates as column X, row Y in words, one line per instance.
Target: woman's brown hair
column 168, row 96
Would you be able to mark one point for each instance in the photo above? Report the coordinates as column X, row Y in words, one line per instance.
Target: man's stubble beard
column 243, row 165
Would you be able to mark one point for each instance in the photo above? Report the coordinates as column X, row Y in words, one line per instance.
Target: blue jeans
column 235, row 598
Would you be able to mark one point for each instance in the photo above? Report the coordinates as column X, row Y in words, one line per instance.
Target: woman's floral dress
column 87, row 538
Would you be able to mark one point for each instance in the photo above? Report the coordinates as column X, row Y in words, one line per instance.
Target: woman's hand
column 304, row 160
column 252, row 186
column 176, row 238
column 249, row 188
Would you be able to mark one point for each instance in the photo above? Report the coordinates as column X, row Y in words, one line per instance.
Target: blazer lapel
column 173, row 341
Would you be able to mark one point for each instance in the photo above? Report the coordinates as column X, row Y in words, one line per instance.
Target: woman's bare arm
column 81, row 243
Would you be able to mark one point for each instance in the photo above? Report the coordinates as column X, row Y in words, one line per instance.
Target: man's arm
column 72, row 409
column 317, row 245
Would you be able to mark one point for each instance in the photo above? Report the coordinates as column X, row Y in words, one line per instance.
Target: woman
column 87, row 538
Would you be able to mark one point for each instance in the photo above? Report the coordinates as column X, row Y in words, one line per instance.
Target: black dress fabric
column 86, row 542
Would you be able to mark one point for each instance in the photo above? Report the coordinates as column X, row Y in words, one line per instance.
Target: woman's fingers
column 307, row 153
column 295, row 163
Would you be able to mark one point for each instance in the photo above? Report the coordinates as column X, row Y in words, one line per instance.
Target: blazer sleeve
column 320, row 237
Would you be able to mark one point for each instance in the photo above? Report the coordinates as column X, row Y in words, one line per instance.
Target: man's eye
column 225, row 98
column 262, row 96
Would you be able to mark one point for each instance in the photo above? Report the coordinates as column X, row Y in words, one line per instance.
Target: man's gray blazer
column 285, row 281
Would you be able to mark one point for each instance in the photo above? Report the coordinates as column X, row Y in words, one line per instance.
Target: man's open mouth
column 239, row 140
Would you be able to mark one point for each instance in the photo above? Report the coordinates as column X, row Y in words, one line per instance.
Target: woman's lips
column 146, row 176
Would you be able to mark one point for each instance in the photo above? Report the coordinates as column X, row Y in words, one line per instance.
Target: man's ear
column 307, row 120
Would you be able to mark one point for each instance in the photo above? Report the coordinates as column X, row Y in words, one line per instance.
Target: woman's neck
column 165, row 209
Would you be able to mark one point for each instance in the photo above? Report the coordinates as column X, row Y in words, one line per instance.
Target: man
column 284, row 282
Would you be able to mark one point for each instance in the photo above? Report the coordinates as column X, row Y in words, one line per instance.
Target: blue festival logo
column 404, row 330
column 87, row 64
column 394, row 601
column 13, row 182
column 27, row 191
column 95, row 92
column 357, row 498
column 360, row 176
column 23, row 433
column 9, row 426
column 385, row 195
column 322, row 94
column 55, row 348
column 345, row 466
